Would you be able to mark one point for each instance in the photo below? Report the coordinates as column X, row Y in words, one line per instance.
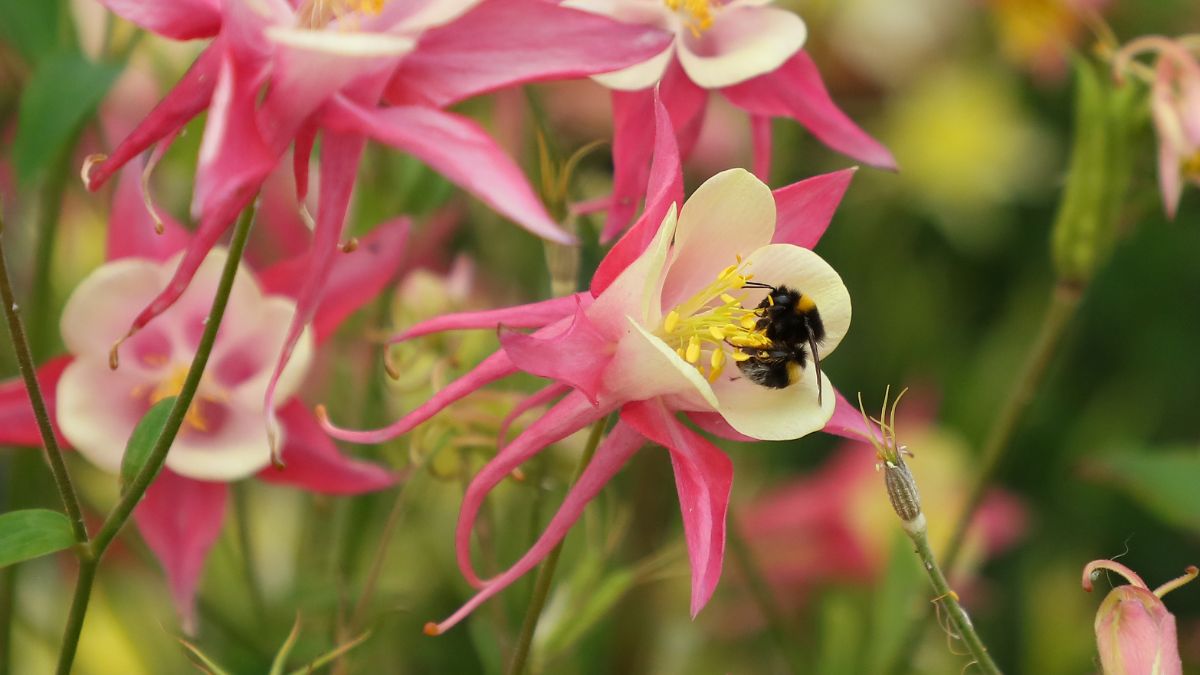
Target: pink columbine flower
column 1175, row 104
column 222, row 439
column 652, row 340
column 278, row 73
column 1135, row 633
column 749, row 51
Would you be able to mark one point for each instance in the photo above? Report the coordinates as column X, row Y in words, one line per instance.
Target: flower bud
column 1135, row 633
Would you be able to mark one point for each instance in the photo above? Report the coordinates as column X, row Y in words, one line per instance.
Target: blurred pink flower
column 277, row 73
column 96, row 408
column 750, row 52
column 1135, row 633
column 649, row 341
column 829, row 527
column 1175, row 103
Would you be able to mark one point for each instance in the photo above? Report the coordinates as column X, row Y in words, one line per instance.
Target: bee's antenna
column 812, row 344
column 757, row 284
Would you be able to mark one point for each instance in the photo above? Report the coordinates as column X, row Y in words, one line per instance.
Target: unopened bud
column 902, row 491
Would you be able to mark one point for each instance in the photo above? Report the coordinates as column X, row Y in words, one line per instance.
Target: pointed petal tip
column 432, row 629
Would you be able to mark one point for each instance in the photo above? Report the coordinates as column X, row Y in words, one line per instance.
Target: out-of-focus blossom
column 1039, row 34
column 1175, row 103
column 277, row 74
column 891, row 43
column 222, row 439
column 1135, row 634
column 652, row 339
column 750, row 52
column 829, row 527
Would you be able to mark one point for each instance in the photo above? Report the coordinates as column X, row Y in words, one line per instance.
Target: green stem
column 545, row 575
column 760, row 589
column 91, row 554
column 1063, row 303
column 241, row 514
column 41, row 293
column 395, row 515
column 949, row 599
column 25, row 362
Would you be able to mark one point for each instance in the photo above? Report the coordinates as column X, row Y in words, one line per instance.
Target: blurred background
column 949, row 266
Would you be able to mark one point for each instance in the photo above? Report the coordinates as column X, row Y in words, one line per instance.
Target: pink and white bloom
column 649, row 341
column 1175, row 104
column 222, row 439
column 278, row 73
column 749, row 51
column 1135, row 633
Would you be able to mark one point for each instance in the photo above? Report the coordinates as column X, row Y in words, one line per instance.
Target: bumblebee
column 791, row 321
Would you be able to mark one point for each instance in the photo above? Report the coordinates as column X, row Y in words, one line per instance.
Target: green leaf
column 63, row 92
column 1163, row 482
column 141, row 441
column 34, row 28
column 32, row 533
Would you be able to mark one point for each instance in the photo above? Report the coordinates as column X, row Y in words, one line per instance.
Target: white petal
column 645, row 367
column 237, row 449
column 255, row 354
column 743, row 42
column 341, row 42
column 644, row 12
column 636, row 291
column 97, row 409
column 802, row 270
column 731, row 214
column 774, row 414
column 187, row 317
column 641, row 75
column 104, row 304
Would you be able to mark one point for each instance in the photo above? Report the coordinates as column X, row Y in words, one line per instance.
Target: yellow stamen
column 693, row 350
column 671, row 322
column 740, row 356
column 171, row 386
column 697, row 16
column 716, row 332
column 717, row 362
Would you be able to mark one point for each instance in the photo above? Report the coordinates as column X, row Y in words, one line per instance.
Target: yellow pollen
column 671, row 322
column 693, row 350
column 717, row 363
column 697, row 16
column 716, row 332
column 171, row 386
column 740, row 356
column 318, row 13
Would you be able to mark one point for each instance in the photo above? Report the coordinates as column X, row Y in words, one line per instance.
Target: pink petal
column 803, row 209
column 567, row 416
column 340, row 155
column 17, row 424
column 537, row 399
column 177, row 19
column 611, row 455
column 489, row 370
column 184, row 102
column 301, row 155
column 847, row 421
column 354, row 279
column 665, row 188
column 314, row 463
column 716, row 425
column 460, row 150
column 578, row 355
column 491, row 47
column 280, row 231
column 1170, row 181
column 687, row 104
column 131, row 228
column 795, row 90
column 532, row 315
column 760, row 133
column 703, row 477
column 180, row 519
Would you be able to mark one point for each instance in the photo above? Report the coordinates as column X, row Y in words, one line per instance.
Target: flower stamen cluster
column 320, row 13
column 696, row 325
column 697, row 14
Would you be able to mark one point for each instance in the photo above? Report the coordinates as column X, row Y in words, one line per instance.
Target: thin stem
column 92, row 553
column 761, row 591
column 949, row 599
column 1063, row 303
column 25, row 362
column 395, row 515
column 545, row 575
column 241, row 514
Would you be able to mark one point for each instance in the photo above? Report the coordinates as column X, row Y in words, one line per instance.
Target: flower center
column 713, row 321
column 319, row 13
column 697, row 14
column 171, row 386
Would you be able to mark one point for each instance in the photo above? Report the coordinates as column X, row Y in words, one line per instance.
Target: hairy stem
column 92, row 553
column 545, row 574
column 25, row 362
column 1063, row 303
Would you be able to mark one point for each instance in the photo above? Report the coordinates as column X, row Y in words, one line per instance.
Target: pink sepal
column 312, row 461
column 176, row 19
column 803, row 209
column 577, row 356
column 17, row 424
column 532, row 315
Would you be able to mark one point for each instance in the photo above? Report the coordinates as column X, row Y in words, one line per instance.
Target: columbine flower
column 276, row 74
column 660, row 332
column 750, row 52
column 1135, row 633
column 1175, row 103
column 222, row 438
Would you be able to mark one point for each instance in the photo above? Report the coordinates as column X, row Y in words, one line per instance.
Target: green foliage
column 35, row 28
column 1163, row 482
column 32, row 533
column 63, row 92
column 141, row 441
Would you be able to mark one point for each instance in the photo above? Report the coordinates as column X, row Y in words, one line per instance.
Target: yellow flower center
column 171, row 386
column 319, row 13
column 714, row 321
column 697, row 14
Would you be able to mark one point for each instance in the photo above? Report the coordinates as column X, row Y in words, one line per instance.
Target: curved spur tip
column 431, row 629
column 85, row 172
column 114, row 358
